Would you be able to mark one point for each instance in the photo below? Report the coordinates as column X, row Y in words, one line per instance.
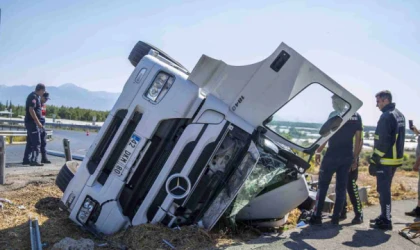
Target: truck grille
column 119, row 147
column 103, row 145
column 162, row 144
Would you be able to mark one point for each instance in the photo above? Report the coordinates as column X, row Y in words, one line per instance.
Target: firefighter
column 44, row 159
column 340, row 158
column 387, row 154
column 33, row 126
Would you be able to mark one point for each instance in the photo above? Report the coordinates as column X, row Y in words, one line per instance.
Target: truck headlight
column 160, row 86
column 86, row 209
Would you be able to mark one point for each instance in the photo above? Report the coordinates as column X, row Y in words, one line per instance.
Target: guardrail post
column 2, row 159
column 67, row 151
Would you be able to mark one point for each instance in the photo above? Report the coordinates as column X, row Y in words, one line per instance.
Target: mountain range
column 68, row 94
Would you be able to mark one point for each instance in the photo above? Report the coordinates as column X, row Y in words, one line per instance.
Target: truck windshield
column 300, row 120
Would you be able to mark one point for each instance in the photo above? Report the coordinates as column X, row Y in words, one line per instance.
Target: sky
column 366, row 46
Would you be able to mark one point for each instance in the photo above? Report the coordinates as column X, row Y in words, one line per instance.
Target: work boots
column 415, row 212
column 315, row 220
column 383, row 224
column 358, row 219
column 335, row 220
column 44, row 159
column 35, row 164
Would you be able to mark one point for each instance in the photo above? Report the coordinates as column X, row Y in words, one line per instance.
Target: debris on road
column 72, row 244
column 169, row 244
column 411, row 232
column 35, row 234
column 4, row 200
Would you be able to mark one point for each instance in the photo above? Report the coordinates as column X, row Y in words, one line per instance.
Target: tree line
column 62, row 112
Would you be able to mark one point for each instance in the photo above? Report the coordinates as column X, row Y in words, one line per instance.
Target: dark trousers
column 353, row 191
column 33, row 142
column 340, row 166
column 43, row 136
column 384, row 176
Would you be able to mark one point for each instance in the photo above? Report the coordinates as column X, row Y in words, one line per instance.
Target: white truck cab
column 183, row 148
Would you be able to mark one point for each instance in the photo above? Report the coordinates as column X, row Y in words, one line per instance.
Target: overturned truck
column 186, row 148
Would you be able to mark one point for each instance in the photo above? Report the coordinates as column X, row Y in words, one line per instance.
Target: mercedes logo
column 178, row 186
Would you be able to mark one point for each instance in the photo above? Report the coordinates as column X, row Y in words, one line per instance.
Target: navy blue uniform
column 33, row 139
column 353, row 191
column 388, row 154
column 338, row 159
column 43, row 134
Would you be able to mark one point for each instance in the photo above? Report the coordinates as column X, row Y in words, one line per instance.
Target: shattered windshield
column 269, row 173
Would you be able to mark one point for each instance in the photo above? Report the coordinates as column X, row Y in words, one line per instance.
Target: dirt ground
column 40, row 200
column 40, row 197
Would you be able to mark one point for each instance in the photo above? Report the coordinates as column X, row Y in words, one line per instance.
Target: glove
column 375, row 159
column 372, row 169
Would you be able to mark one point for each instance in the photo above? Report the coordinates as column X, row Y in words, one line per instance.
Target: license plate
column 126, row 154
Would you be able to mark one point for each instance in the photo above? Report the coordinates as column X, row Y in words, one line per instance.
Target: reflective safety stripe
column 394, row 148
column 376, row 137
column 391, row 162
column 376, row 151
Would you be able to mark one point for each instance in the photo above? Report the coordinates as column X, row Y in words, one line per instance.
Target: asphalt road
column 344, row 236
column 79, row 144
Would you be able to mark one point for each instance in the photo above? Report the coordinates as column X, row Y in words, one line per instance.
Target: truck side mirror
column 330, row 125
column 268, row 120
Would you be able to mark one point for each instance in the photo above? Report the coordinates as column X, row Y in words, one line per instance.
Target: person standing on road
column 352, row 187
column 44, row 98
column 387, row 154
column 340, row 158
column 416, row 211
column 33, row 126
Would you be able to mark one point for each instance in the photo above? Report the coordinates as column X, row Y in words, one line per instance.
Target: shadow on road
column 361, row 238
column 326, row 231
column 369, row 238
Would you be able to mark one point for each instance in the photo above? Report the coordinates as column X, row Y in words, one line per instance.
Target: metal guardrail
column 20, row 133
column 54, row 125
column 63, row 155
column 2, row 160
column 12, row 134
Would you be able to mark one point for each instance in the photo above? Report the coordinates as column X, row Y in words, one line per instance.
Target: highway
column 79, row 143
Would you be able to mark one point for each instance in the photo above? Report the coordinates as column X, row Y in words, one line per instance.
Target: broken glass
column 234, row 183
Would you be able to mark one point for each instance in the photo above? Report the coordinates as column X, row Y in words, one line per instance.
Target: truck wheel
column 141, row 49
column 65, row 175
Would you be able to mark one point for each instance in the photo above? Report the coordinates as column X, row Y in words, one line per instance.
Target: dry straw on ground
column 41, row 201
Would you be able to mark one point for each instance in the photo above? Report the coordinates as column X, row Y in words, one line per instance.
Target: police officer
column 44, row 98
column 340, row 158
column 387, row 154
column 33, row 126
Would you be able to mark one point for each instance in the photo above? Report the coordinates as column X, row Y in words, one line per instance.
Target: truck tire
column 65, row 175
column 141, row 49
